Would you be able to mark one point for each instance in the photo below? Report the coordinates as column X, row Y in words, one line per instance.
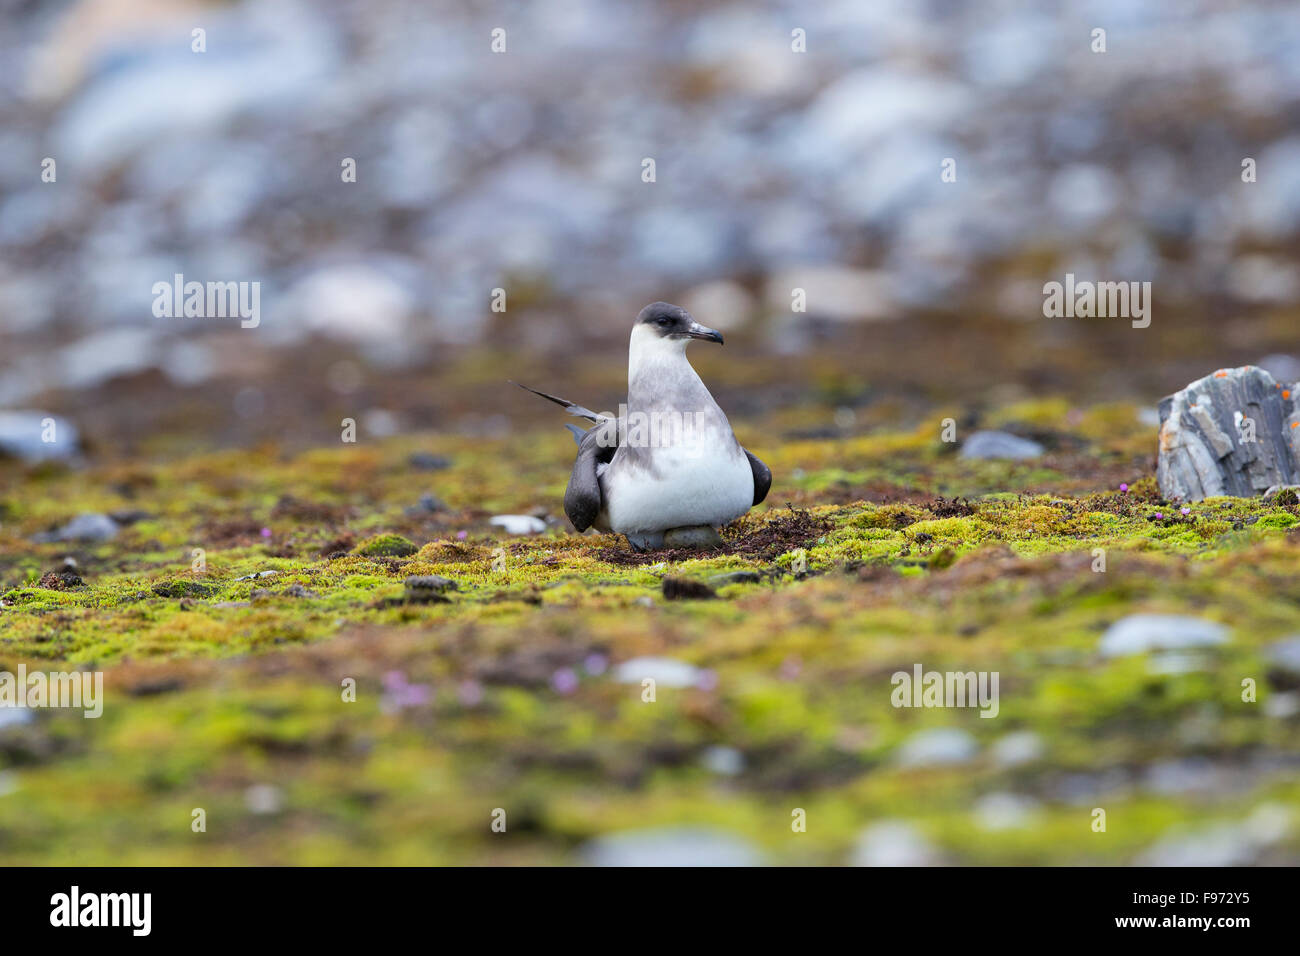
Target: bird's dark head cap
column 672, row 321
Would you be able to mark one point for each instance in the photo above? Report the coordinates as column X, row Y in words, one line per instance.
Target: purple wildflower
column 400, row 694
column 564, row 680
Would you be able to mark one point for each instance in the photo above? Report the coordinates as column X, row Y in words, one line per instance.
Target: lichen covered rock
column 1235, row 432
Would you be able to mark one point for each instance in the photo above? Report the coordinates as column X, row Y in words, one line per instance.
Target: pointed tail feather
column 569, row 407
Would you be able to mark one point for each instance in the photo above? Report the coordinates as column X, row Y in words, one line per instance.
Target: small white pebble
column 726, row 761
column 263, row 798
column 519, row 524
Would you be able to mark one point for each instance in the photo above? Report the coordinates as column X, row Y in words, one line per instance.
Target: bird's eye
column 664, row 321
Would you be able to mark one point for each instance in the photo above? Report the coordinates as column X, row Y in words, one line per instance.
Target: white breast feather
column 708, row 485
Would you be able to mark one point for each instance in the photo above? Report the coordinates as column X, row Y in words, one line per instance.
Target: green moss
column 1278, row 519
column 387, row 545
column 180, row 589
column 217, row 684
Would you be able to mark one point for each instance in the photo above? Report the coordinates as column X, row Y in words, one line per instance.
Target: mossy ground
column 221, row 678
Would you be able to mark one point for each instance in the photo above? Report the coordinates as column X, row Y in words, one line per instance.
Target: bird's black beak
column 698, row 331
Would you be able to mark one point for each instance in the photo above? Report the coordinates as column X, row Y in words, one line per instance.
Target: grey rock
column 843, row 295
column 893, row 843
column 1005, row 811
column 1273, row 211
column 424, row 461
column 728, row 304
column 725, row 761
column 1080, row 789
column 1282, row 706
column 22, row 436
column 665, row 672
column 1177, row 662
column 84, row 527
column 428, row 504
column 941, row 745
column 154, row 94
column 263, row 798
column 1269, row 823
column 1205, row 447
column 1018, row 747
column 698, row 536
column 672, row 846
column 364, row 303
column 102, row 356
column 14, row 717
column 1225, row 844
column 994, row 444
column 426, row 589
column 436, row 583
column 1140, row 633
column 1084, row 194
column 1193, row 775
column 1285, row 654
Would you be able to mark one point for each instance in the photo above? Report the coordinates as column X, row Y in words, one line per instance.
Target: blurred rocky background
column 522, row 170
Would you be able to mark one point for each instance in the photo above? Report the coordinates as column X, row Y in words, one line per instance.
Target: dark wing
column 762, row 477
column 582, row 497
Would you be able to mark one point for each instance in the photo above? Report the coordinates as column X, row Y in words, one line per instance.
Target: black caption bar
column 304, row 905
